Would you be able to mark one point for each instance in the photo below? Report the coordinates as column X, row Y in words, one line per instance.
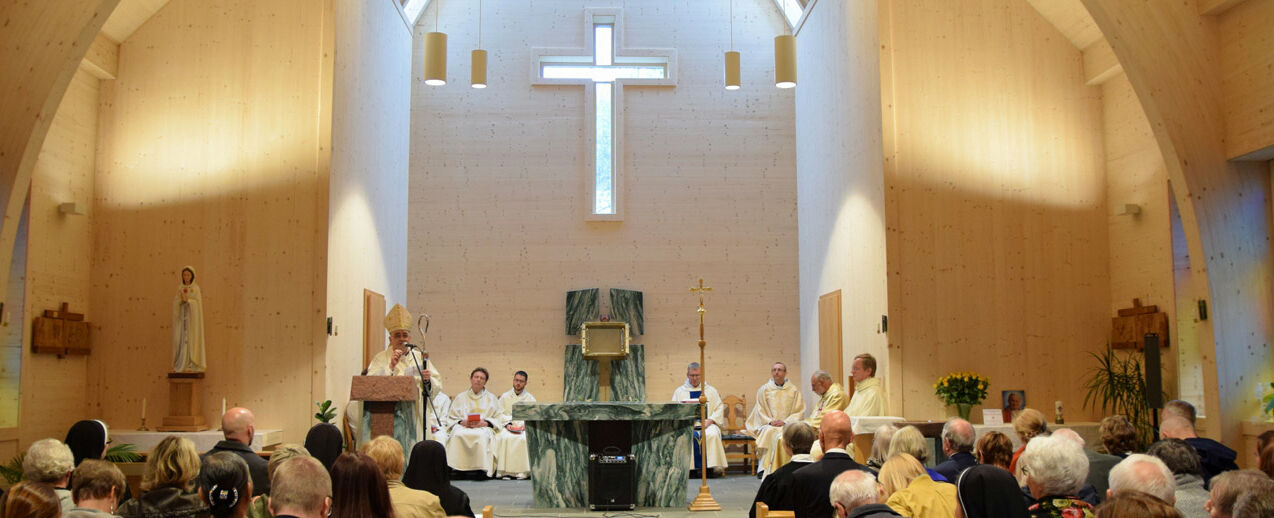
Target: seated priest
column 711, row 432
column 476, row 414
column 777, row 403
column 869, row 394
column 511, row 457
column 440, row 417
column 399, row 360
column 831, row 398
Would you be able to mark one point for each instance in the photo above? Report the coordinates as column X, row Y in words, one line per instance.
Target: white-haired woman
column 1055, row 469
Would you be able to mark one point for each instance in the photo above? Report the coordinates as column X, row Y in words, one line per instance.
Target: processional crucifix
column 704, row 501
column 607, row 72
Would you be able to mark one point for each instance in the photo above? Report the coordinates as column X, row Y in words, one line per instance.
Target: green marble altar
column 559, row 444
column 627, row 376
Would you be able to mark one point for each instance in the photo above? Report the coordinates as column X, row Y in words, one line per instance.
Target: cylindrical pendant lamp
column 478, row 70
column 785, row 61
column 436, row 58
column 732, row 70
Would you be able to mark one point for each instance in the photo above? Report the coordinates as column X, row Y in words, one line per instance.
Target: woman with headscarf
column 188, row 345
column 987, row 491
column 325, row 443
column 89, row 440
column 427, row 470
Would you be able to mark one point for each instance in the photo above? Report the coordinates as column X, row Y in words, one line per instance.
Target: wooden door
column 373, row 325
column 829, row 337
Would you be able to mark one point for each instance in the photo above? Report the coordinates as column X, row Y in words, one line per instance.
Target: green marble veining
column 559, row 462
column 626, row 306
column 605, row 411
column 581, row 306
column 580, row 380
column 663, row 461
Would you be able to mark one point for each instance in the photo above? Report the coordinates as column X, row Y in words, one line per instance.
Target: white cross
column 608, row 73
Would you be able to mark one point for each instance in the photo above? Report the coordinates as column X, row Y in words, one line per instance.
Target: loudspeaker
column 612, row 482
column 1154, row 372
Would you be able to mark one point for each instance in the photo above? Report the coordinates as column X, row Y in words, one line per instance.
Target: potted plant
column 962, row 389
column 1117, row 385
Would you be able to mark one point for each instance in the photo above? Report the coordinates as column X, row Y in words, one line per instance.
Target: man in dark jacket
column 957, row 444
column 811, row 483
column 776, row 489
column 238, row 426
column 1214, row 457
column 855, row 494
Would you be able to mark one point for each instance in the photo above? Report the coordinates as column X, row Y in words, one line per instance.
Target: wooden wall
column 1246, row 59
column 210, row 156
column 840, row 186
column 367, row 218
column 996, row 204
column 497, row 196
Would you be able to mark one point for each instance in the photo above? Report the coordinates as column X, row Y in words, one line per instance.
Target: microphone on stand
column 426, row 356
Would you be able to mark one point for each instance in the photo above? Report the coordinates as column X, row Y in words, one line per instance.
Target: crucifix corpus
column 604, row 68
column 703, row 501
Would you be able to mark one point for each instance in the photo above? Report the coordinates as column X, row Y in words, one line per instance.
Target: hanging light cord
column 437, row 13
column 480, row 23
column 731, row 24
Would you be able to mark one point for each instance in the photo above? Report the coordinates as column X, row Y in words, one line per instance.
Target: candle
column 143, row 408
column 223, row 406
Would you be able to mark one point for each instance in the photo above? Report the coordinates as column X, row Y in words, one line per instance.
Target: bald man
column 1214, row 457
column 810, row 484
column 239, row 425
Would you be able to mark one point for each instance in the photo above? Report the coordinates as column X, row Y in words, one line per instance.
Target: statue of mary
column 188, row 346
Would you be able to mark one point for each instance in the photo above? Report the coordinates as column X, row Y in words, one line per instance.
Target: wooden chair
column 763, row 511
column 736, row 416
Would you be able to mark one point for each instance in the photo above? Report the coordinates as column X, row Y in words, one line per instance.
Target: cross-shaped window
column 607, row 72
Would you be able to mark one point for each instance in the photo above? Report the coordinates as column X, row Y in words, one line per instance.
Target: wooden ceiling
column 129, row 16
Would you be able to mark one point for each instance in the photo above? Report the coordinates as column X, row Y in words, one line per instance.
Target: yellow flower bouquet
column 962, row 389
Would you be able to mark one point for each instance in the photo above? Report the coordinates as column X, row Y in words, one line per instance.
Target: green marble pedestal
column 558, row 443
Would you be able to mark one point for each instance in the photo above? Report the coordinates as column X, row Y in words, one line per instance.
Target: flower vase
column 963, row 409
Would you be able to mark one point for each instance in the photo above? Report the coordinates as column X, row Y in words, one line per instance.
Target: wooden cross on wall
column 61, row 332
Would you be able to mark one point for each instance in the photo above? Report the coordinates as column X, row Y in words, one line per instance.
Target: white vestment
column 469, row 449
column 379, row 366
column 869, row 399
column 715, row 451
column 773, row 402
column 511, row 455
column 439, row 417
column 188, row 345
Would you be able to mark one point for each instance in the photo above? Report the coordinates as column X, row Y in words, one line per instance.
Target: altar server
column 716, row 411
column 777, row 403
column 511, row 457
column 476, row 414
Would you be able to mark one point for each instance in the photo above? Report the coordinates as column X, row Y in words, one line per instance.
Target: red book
column 473, row 418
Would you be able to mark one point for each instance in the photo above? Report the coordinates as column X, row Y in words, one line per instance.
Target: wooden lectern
column 379, row 394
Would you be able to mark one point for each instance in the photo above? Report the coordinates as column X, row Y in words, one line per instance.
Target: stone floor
column 512, row 499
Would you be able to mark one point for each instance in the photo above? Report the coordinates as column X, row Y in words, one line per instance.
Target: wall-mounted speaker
column 1154, row 372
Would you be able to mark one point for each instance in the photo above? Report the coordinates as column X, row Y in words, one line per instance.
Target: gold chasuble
column 869, row 399
column 774, row 402
column 833, row 399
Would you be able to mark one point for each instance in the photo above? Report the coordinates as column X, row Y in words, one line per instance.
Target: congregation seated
column 509, row 449
column 1133, row 503
column 225, row 485
column 1214, row 457
column 1028, row 424
column 238, row 426
column 1144, row 474
column 1054, row 469
column 406, row 502
column 880, row 445
column 476, row 414
column 260, row 507
column 811, row 483
column 29, row 499
column 325, row 443
column 167, row 483
column 359, row 489
column 988, row 491
column 95, row 487
column 88, row 439
column 1257, row 505
column 855, row 494
column 1119, row 436
column 714, row 449
column 776, row 489
column 1266, row 461
column 1181, row 459
column 909, row 440
column 301, row 488
column 49, row 461
column 1099, row 464
column 1228, row 487
column 957, row 445
column 996, row 449
column 910, row 491
column 427, row 470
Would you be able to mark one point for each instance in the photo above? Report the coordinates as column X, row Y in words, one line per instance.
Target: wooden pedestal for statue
column 379, row 395
column 184, row 408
